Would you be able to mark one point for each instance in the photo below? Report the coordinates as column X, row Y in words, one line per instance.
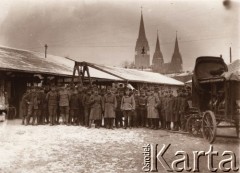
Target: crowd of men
column 111, row 107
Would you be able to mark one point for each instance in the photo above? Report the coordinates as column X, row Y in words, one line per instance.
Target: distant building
column 142, row 55
column 158, row 65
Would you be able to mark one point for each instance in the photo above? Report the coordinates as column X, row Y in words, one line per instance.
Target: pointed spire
column 142, row 39
column 157, row 60
column 176, row 49
column 141, row 33
column 176, row 63
column 157, row 44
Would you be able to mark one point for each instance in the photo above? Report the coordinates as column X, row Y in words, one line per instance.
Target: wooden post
column 46, row 46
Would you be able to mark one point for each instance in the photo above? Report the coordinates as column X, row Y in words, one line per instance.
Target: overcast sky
column 106, row 31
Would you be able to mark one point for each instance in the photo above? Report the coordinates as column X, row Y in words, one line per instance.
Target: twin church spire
column 142, row 55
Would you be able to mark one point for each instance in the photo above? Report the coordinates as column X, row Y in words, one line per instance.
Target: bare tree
column 128, row 64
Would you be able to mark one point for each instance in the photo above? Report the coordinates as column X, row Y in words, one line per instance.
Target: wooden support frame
column 81, row 68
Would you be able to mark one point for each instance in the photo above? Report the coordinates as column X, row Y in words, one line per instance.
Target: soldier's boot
column 111, row 123
column 23, row 120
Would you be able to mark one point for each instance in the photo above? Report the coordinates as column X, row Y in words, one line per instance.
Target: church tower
column 157, row 61
column 142, row 56
column 176, row 63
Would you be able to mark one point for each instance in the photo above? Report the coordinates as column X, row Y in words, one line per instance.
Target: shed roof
column 135, row 75
column 35, row 62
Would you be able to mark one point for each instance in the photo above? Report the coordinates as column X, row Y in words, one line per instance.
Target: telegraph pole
column 46, row 46
column 230, row 55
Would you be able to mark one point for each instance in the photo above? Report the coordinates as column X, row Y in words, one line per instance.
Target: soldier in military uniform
column 87, row 106
column 152, row 112
column 52, row 102
column 74, row 106
column 42, row 106
column 64, row 97
column 29, row 101
column 118, row 112
column 36, row 106
column 96, row 103
column 81, row 108
column 169, row 110
column 109, row 105
column 176, row 107
column 128, row 107
column 135, row 117
column 141, row 103
column 24, row 106
column 161, row 110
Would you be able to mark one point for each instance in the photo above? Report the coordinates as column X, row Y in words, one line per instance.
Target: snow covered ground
column 42, row 149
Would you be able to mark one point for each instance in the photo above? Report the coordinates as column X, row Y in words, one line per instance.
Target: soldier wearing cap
column 87, row 106
column 42, row 104
column 127, row 106
column 169, row 109
column 52, row 102
column 109, row 105
column 36, row 106
column 118, row 112
column 96, row 103
column 81, row 91
column 152, row 112
column 24, row 105
column 141, row 107
column 176, row 107
column 64, row 97
column 162, row 107
column 135, row 117
column 74, row 106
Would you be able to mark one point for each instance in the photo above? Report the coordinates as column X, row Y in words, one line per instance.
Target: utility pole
column 230, row 55
column 46, row 46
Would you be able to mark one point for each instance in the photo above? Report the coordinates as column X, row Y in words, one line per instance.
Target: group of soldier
column 110, row 107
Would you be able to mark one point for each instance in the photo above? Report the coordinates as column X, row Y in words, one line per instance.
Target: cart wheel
column 193, row 126
column 209, row 126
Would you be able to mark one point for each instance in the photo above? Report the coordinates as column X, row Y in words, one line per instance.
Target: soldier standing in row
column 127, row 106
column 24, row 106
column 81, row 107
column 87, row 106
column 109, row 105
column 152, row 112
column 142, row 108
column 161, row 110
column 135, row 117
column 118, row 112
column 36, row 106
column 42, row 106
column 96, row 109
column 64, row 104
column 52, row 101
column 74, row 106
column 175, row 112
column 168, row 110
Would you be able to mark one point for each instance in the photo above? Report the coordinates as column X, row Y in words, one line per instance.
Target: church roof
column 158, row 53
column 142, row 39
column 176, row 58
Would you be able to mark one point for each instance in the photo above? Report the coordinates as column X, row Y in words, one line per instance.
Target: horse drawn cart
column 215, row 97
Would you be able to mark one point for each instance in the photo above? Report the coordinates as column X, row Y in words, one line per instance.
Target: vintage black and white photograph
column 119, row 86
